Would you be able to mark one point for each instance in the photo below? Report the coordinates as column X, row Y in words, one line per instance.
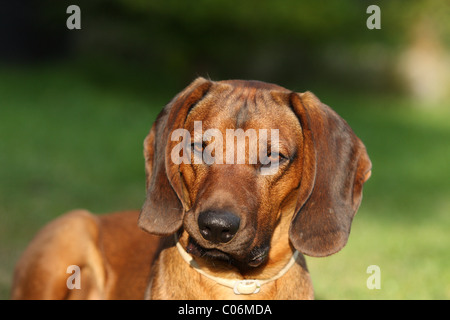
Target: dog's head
column 229, row 161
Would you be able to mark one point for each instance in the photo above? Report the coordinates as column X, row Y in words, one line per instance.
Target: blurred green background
column 75, row 106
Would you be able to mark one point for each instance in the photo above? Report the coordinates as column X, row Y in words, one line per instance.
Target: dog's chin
column 255, row 258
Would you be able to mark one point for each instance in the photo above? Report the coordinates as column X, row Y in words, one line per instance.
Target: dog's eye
column 277, row 157
column 274, row 158
column 198, row 147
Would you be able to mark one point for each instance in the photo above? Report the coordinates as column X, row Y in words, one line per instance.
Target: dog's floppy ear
column 162, row 212
column 335, row 167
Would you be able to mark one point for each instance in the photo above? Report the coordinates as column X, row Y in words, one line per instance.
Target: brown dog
column 230, row 230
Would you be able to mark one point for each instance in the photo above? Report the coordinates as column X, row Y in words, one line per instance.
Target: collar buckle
column 246, row 286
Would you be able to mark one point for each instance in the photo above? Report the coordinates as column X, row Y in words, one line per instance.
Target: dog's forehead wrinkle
column 241, row 104
column 241, row 116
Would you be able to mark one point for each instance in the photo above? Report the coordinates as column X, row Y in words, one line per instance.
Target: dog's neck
column 239, row 285
column 174, row 278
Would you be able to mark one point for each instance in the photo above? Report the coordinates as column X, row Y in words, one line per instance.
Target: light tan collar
column 246, row 286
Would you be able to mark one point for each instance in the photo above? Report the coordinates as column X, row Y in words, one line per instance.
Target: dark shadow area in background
column 129, row 43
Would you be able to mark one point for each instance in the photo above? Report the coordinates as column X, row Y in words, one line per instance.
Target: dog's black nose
column 218, row 226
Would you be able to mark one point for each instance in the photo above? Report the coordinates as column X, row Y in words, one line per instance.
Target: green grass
column 68, row 140
column 403, row 222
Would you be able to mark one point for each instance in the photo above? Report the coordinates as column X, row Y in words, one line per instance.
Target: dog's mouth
column 254, row 259
column 195, row 249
